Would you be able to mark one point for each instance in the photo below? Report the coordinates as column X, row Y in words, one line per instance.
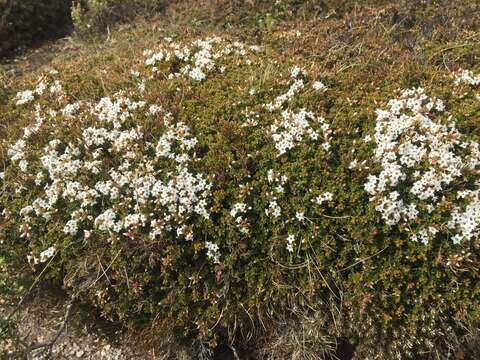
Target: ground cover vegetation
column 299, row 181
column 25, row 23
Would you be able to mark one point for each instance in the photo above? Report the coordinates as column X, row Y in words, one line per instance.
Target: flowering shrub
column 422, row 161
column 211, row 195
column 23, row 22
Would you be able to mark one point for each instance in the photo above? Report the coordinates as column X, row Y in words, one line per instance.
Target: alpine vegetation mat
column 220, row 191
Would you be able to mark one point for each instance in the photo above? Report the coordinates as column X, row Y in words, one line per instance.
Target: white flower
column 16, row 151
column 353, row 164
column 24, row 97
column 467, row 77
column 296, row 72
column 46, row 254
column 71, row 227
column 300, row 216
column 280, row 100
column 70, row 109
column 154, row 109
column 293, row 127
column 290, row 242
column 274, row 209
column 106, row 221
column 422, row 157
column 56, row 88
column 326, row 196
column 197, row 59
column 197, row 74
column 23, row 164
column 319, row 86
column 212, row 251
column 238, row 208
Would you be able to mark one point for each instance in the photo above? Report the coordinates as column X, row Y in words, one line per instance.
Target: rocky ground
column 45, row 321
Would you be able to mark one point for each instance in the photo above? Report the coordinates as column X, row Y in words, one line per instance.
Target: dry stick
column 450, row 48
column 235, row 354
column 218, row 320
column 336, row 217
column 105, row 271
column 52, row 342
column 361, row 260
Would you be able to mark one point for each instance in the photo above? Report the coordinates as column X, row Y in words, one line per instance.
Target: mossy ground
column 360, row 281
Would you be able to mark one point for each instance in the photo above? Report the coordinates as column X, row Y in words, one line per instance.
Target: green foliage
column 26, row 22
column 92, row 16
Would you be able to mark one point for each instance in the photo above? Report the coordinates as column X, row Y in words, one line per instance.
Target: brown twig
column 49, row 344
column 235, row 354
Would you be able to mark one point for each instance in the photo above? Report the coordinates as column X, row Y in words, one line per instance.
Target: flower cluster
column 293, row 126
column 112, row 178
column 422, row 160
column 238, row 212
column 197, row 59
column 17, row 152
column 466, row 220
column 324, row 197
column 319, row 86
column 28, row 96
column 278, row 182
column 295, row 87
column 212, row 251
column 467, row 77
column 43, row 257
column 25, row 97
column 290, row 242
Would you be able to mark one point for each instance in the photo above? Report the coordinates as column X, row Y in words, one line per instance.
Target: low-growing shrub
column 90, row 16
column 230, row 193
column 25, row 22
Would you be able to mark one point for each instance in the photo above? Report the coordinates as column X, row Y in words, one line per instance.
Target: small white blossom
column 290, row 242
column 212, row 251
column 24, row 97
column 71, row 227
column 319, row 86
column 325, row 197
column 423, row 157
column 296, row 72
column 467, row 77
column 300, row 216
